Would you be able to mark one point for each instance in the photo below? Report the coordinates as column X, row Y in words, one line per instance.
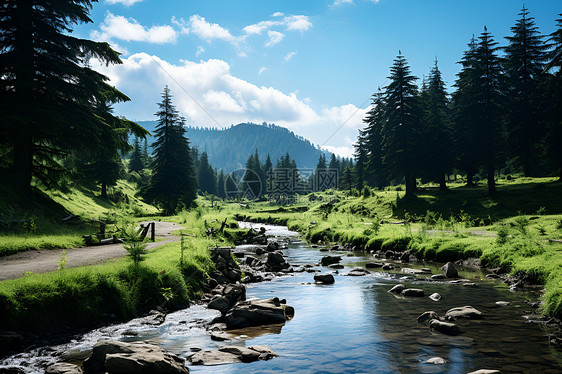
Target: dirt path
column 43, row 261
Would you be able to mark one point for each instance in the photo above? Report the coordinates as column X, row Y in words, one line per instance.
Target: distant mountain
column 229, row 148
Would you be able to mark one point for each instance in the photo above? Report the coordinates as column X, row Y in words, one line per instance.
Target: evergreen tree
column 136, row 162
column 207, row 176
column 268, row 171
column 173, row 183
column 252, row 182
column 220, row 185
column 552, row 98
column 489, row 99
column 401, row 127
column 145, row 154
column 437, row 134
column 347, row 179
column 48, row 93
column 360, row 155
column 524, row 62
column 374, row 170
column 465, row 112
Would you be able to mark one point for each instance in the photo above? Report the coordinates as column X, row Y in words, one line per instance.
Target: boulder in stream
column 427, row 316
column 486, row 371
column 324, row 278
column 444, row 327
column 397, row 289
column 114, row 357
column 413, row 292
column 463, row 312
column 449, row 270
column 233, row 354
column 64, row 368
column 231, row 294
column 329, row 260
column 257, row 313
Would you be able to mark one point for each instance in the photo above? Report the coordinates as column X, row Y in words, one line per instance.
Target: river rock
column 257, row 313
column 329, row 260
column 324, row 278
column 233, row 354
column 435, row 296
column 358, row 272
column 387, row 267
column 272, row 247
column 463, row 312
column 397, row 289
column 449, row 270
column 220, row 336
column 486, row 371
column 503, row 303
column 427, row 316
column 411, row 271
column 437, row 276
column 231, row 294
column 11, row 370
column 64, row 368
column 405, row 256
column 276, row 262
column 413, row 292
column 336, row 266
column 115, row 357
column 444, row 327
column 373, row 265
column 436, row 361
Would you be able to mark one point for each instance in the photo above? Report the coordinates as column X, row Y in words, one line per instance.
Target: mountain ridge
column 229, row 148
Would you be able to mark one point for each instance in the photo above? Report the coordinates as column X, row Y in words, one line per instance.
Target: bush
column 399, row 244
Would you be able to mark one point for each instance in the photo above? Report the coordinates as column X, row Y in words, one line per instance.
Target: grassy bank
column 510, row 230
column 114, row 291
column 35, row 221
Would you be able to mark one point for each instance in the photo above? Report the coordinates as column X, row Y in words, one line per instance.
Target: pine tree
column 347, row 179
column 553, row 94
column 220, row 185
column 207, row 176
column 136, row 163
column 252, row 182
column 489, row 99
column 268, row 172
column 465, row 113
column 375, row 174
column 401, row 127
column 48, row 92
column 173, row 183
column 360, row 155
column 437, row 134
column 524, row 62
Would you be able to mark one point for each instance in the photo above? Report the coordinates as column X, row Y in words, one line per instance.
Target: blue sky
column 310, row 66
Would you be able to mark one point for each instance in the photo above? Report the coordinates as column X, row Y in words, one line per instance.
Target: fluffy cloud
column 262, row 70
column 298, row 23
column 209, row 95
column 200, row 51
column 346, row 150
column 128, row 29
column 275, row 37
column 340, row 2
column 124, row 2
column 278, row 14
column 260, row 27
column 289, row 56
column 209, row 31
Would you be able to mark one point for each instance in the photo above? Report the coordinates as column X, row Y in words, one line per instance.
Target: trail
column 43, row 261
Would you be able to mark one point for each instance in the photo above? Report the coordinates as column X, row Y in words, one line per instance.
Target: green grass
column 439, row 225
column 42, row 212
column 87, row 296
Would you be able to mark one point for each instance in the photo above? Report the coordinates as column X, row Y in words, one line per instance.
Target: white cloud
column 278, row 14
column 208, row 94
column 289, row 56
column 300, row 23
column 200, row 51
column 340, row 2
column 124, row 2
column 260, row 27
column 128, row 29
column 209, row 31
column 275, row 37
column 262, row 69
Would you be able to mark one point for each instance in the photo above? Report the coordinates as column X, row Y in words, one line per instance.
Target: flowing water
column 352, row 326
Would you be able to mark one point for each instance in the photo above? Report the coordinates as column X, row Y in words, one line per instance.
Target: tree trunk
column 491, row 179
column 442, row 182
column 21, row 127
column 410, row 187
column 469, row 181
column 103, row 190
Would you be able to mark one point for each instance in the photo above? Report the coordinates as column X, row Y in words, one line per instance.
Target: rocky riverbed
column 324, row 309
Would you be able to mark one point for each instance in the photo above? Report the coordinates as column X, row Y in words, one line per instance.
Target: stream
column 352, row 326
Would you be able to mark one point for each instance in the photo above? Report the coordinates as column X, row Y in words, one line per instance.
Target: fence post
column 153, row 231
